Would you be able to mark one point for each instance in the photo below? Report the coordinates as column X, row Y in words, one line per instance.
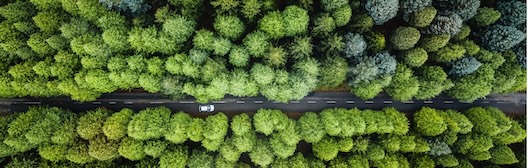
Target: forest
column 283, row 50
column 337, row 138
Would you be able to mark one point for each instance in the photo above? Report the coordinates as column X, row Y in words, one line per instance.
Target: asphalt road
column 512, row 104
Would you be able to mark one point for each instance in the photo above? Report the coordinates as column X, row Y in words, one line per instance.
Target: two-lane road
column 513, row 104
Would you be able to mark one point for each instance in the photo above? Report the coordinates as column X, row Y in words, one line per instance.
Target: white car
column 206, row 108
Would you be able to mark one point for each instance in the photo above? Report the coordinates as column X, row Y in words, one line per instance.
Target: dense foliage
column 337, row 137
column 212, row 48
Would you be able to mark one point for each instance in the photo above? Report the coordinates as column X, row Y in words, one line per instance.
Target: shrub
column 434, row 42
column 502, row 155
column 91, row 123
column 355, row 46
column 176, row 157
column 486, row 16
column 115, row 126
column 404, row 38
column 132, row 149
column 449, row 53
column 464, row 66
column 445, row 24
column 500, row 38
column 155, row 148
column 415, row 57
column 103, row 149
column 423, row 18
column 262, row 154
column 342, row 15
column 230, row 27
column 178, row 127
column 513, row 12
column 295, row 20
column 382, row 10
column 149, row 123
column 361, row 23
column 429, row 122
column 273, row 24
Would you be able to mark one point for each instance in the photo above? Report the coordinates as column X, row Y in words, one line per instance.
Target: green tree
column 433, row 81
column 103, row 149
column 273, row 24
column 115, row 126
column 256, row 43
column 434, row 42
column 415, row 57
column 262, row 153
column 155, row 148
column 311, row 127
column 486, row 16
column 342, row 15
column 132, row 149
column 200, row 159
column 54, row 153
column 176, row 157
column 326, row 149
column 230, row 27
column 423, row 17
column 149, row 123
column 79, row 153
column 239, row 57
column 404, row 85
column 295, row 20
column 178, row 128
column 404, row 38
column 91, row 123
column 49, row 21
column 429, row 122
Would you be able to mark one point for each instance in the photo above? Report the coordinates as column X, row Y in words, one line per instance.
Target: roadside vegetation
column 158, row 137
column 208, row 49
